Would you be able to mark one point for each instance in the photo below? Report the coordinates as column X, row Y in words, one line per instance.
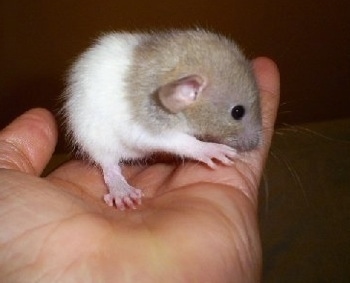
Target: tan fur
column 161, row 58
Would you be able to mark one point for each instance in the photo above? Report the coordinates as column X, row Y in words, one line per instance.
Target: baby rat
column 190, row 93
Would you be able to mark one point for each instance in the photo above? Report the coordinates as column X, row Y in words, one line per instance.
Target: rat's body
column 131, row 95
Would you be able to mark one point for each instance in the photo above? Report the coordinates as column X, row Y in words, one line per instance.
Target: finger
column 28, row 142
column 252, row 164
column 268, row 80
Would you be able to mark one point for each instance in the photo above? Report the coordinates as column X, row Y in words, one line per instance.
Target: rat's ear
column 177, row 95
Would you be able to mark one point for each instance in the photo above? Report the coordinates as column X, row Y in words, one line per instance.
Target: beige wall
column 308, row 39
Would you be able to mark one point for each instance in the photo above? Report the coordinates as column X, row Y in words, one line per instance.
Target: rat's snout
column 248, row 140
column 247, row 144
column 245, row 141
column 249, row 136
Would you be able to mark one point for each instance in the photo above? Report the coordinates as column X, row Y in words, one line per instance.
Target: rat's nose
column 243, row 142
column 247, row 145
column 248, row 141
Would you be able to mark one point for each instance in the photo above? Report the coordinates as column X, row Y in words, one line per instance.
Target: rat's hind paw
column 121, row 194
column 123, row 198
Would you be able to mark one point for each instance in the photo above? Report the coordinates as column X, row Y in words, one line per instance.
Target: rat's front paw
column 209, row 151
column 127, row 197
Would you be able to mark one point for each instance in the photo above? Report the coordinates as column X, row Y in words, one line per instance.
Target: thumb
column 28, row 143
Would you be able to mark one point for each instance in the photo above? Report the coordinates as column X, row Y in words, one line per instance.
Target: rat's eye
column 238, row 112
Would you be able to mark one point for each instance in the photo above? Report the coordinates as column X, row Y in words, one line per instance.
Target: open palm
column 195, row 224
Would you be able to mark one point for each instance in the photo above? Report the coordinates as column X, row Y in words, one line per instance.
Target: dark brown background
column 308, row 39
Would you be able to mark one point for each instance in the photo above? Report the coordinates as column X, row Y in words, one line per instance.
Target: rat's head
column 221, row 106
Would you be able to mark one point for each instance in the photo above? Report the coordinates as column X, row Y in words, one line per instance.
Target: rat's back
column 95, row 104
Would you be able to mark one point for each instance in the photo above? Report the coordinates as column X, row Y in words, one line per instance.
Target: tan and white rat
column 191, row 93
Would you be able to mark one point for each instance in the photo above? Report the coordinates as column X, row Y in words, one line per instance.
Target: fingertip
column 265, row 61
column 268, row 80
column 41, row 120
column 268, row 77
column 28, row 142
column 44, row 119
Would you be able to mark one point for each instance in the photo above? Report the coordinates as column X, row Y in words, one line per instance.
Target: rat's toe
column 129, row 202
column 109, row 200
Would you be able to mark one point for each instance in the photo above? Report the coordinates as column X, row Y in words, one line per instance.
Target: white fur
column 97, row 111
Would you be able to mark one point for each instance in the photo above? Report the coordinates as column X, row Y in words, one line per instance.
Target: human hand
column 195, row 224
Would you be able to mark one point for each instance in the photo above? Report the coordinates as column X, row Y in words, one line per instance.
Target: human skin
column 195, row 224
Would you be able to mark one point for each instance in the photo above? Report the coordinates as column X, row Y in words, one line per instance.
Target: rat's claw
column 119, row 203
column 128, row 201
column 109, row 200
column 227, row 161
column 210, row 163
column 136, row 194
